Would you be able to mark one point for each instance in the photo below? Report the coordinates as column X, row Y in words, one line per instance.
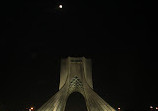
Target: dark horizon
column 119, row 37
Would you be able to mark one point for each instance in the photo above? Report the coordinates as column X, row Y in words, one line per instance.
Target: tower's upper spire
column 75, row 66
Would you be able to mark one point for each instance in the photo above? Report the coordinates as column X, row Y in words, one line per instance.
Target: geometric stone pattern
column 76, row 76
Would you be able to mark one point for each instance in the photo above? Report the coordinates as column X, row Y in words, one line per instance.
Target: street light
column 151, row 107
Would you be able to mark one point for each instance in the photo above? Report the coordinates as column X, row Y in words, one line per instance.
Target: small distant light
column 60, row 6
column 151, row 107
column 119, row 108
column 31, row 108
column 156, row 107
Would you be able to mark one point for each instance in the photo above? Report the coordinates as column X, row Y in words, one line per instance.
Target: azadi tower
column 76, row 76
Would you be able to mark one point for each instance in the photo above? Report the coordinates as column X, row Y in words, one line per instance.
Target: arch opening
column 76, row 102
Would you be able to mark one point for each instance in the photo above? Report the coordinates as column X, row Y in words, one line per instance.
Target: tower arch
column 76, row 102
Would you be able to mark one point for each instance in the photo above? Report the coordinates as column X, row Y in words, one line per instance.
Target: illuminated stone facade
column 76, row 76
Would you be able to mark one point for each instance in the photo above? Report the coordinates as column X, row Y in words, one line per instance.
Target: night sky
column 119, row 37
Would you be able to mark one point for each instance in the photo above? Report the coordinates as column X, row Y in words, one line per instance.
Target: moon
column 60, row 6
